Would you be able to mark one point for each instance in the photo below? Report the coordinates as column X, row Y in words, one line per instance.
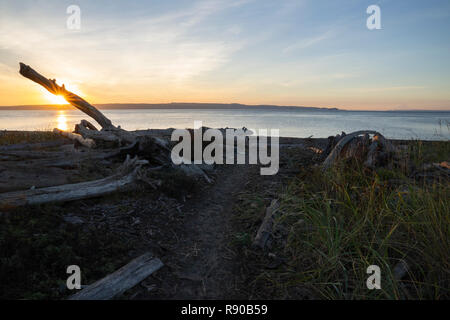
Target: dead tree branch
column 121, row 280
column 125, row 177
column 265, row 230
column 70, row 97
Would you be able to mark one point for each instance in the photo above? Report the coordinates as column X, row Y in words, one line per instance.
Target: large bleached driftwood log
column 109, row 132
column 354, row 146
column 70, row 97
column 109, row 135
column 335, row 152
column 121, row 280
column 125, row 177
column 154, row 148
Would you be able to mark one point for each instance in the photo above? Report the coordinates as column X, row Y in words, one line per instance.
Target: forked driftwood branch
column 121, row 280
column 109, row 132
column 109, row 135
column 70, row 97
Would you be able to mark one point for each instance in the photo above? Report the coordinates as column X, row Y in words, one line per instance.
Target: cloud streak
column 309, row 42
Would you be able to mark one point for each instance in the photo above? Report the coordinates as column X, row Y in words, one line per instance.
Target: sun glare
column 54, row 99
column 57, row 99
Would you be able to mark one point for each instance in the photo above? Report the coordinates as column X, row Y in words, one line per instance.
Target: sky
column 292, row 52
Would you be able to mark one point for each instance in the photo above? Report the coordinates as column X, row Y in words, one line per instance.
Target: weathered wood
column 76, row 137
column 355, row 149
column 109, row 133
column 332, row 141
column 329, row 161
column 125, row 176
column 70, row 97
column 121, row 280
column 88, row 125
column 375, row 152
column 155, row 149
column 265, row 230
column 371, row 154
column 110, row 137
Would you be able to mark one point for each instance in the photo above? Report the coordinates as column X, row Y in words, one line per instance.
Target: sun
column 58, row 99
column 54, row 99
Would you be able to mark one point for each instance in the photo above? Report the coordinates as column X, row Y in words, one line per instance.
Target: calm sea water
column 399, row 125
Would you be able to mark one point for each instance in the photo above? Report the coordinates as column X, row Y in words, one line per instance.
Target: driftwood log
column 110, row 142
column 76, row 137
column 108, row 133
column 151, row 144
column 121, row 280
column 372, row 152
column 70, row 97
column 265, row 230
column 126, row 176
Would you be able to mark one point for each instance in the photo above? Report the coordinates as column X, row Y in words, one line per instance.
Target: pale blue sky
column 302, row 52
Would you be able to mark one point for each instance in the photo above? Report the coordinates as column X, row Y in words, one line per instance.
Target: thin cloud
column 309, row 42
column 159, row 48
column 393, row 88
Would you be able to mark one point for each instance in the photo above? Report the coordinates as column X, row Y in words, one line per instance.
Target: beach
column 204, row 231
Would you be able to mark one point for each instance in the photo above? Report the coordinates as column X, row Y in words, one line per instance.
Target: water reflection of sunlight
column 61, row 120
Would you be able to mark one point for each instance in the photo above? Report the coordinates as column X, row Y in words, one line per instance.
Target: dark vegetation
column 332, row 225
column 37, row 246
column 38, row 243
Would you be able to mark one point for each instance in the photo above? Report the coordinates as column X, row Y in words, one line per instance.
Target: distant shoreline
column 170, row 106
column 200, row 106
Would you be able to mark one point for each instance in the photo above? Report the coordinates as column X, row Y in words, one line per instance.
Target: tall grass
column 333, row 225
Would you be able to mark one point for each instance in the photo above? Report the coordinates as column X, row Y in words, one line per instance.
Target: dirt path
column 207, row 272
column 200, row 260
column 198, row 264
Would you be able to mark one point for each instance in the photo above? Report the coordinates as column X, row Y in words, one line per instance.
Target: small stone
column 73, row 220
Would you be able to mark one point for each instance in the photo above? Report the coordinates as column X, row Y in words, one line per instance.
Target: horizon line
column 330, row 108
